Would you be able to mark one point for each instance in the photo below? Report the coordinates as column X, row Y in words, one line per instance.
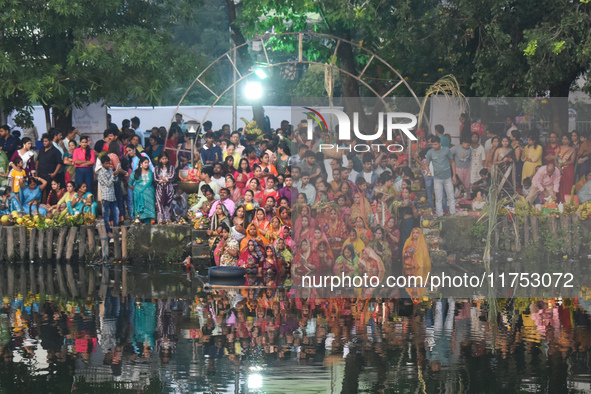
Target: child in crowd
column 180, row 204
column 10, row 202
column 459, row 189
column 15, row 174
column 53, row 198
column 526, row 186
column 482, row 185
column 106, row 182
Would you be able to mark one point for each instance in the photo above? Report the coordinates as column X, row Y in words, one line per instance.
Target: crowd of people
column 279, row 202
column 127, row 175
column 522, row 165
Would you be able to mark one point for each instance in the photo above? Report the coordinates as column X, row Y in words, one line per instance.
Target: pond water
column 118, row 329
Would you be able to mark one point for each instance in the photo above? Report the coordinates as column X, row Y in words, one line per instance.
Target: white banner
column 446, row 112
column 90, row 120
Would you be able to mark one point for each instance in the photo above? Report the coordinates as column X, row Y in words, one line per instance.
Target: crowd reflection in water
column 267, row 326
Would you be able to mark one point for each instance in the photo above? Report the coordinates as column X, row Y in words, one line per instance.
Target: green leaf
column 558, row 47
column 532, row 46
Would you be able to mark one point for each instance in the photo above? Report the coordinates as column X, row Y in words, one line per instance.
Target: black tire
column 235, row 281
column 226, row 272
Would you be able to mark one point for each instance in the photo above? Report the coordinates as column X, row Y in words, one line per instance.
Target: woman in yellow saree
column 416, row 262
column 354, row 240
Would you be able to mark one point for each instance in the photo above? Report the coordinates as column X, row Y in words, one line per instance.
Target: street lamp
column 259, row 72
column 253, row 90
column 193, row 128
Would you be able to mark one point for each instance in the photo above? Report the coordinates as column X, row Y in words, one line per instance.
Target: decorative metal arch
column 400, row 81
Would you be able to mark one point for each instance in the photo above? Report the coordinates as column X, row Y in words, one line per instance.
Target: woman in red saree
column 270, row 190
column 325, row 259
column 243, row 174
column 319, row 237
column 363, row 230
column 286, row 236
column 285, row 216
column 344, row 211
column 266, row 166
column 251, row 257
column 305, row 262
column 305, row 230
column 258, row 174
column 255, row 187
column 305, row 211
column 322, row 217
column 345, row 190
column 337, row 232
column 269, row 264
column 565, row 162
column 393, row 237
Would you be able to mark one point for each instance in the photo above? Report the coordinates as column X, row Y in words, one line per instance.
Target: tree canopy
column 493, row 47
column 63, row 53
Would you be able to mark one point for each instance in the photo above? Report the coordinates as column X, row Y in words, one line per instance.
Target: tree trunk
column 46, row 109
column 245, row 62
column 559, row 105
column 350, row 85
column 62, row 120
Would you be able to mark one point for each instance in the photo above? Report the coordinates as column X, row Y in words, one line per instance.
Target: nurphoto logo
column 344, row 134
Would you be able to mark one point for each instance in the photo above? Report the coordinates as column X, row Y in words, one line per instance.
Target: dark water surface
column 73, row 328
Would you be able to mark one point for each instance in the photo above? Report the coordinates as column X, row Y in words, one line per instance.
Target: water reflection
column 116, row 329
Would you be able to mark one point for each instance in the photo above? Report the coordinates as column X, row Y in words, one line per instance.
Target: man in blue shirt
column 210, row 153
column 444, row 173
column 439, row 130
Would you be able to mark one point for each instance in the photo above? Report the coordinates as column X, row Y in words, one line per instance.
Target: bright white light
column 260, row 73
column 255, row 381
column 253, row 90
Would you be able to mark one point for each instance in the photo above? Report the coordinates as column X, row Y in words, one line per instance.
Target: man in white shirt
column 295, row 177
column 70, row 136
column 206, row 175
column 307, row 189
column 235, row 139
column 180, row 122
column 218, row 175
